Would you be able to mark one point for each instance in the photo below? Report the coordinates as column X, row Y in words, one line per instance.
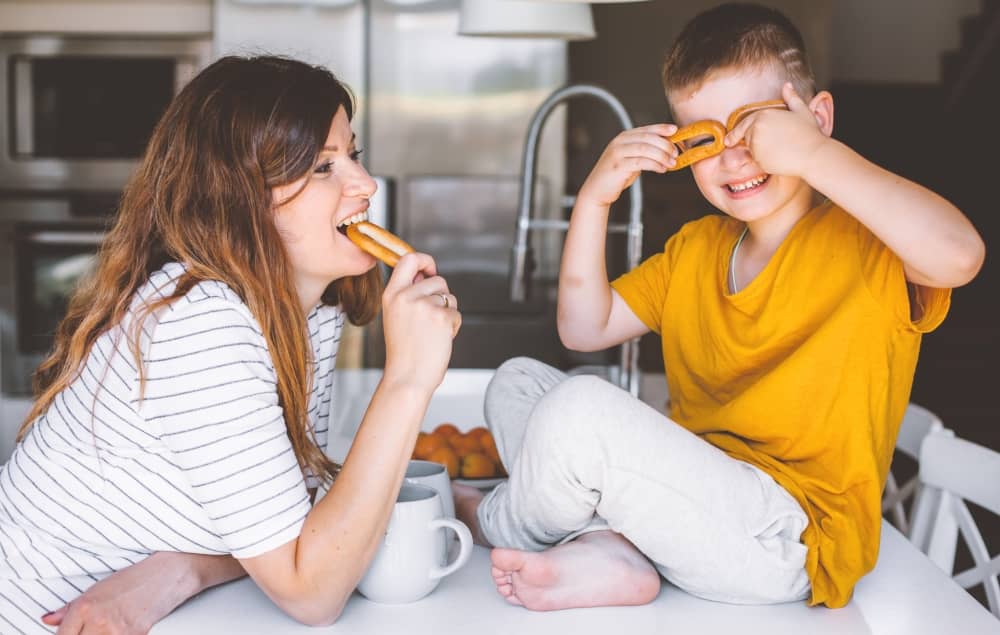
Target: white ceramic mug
column 435, row 476
column 407, row 565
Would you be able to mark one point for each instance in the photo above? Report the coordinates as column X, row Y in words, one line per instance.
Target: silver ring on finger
column 444, row 297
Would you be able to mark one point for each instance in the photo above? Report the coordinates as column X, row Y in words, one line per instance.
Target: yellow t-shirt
column 805, row 372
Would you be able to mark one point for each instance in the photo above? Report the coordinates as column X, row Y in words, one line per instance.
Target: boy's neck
column 766, row 234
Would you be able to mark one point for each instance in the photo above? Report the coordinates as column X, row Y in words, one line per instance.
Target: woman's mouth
column 350, row 220
column 748, row 187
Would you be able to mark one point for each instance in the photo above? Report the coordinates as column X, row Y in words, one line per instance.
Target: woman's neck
column 309, row 292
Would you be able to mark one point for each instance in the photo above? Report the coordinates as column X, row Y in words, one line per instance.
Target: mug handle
column 464, row 550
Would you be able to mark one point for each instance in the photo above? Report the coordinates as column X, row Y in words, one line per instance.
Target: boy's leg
column 511, row 395
column 715, row 526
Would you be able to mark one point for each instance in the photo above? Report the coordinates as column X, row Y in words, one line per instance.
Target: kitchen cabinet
column 172, row 17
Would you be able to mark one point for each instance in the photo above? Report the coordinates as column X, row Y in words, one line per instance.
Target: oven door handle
column 63, row 237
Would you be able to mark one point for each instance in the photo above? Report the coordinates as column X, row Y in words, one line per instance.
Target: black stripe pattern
column 200, row 464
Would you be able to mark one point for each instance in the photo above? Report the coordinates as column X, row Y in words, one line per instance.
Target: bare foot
column 467, row 499
column 600, row 568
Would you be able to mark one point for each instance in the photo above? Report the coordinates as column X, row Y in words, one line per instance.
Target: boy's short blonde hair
column 741, row 36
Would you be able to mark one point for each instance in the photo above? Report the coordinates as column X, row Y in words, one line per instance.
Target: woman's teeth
column 357, row 218
column 740, row 187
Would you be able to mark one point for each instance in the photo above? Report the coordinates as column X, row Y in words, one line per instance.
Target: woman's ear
column 821, row 107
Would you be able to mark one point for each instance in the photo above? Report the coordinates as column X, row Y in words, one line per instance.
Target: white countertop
column 905, row 595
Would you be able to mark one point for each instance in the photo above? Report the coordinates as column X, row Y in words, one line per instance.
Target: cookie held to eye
column 706, row 129
column 378, row 242
column 709, row 136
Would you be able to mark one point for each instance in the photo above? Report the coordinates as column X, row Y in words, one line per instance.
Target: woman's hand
column 420, row 318
column 131, row 601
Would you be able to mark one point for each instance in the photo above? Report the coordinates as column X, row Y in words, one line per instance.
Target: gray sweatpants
column 584, row 455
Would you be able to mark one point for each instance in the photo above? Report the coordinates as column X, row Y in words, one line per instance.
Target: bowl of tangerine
column 470, row 457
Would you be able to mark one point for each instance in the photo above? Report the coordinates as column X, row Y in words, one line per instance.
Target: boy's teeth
column 747, row 185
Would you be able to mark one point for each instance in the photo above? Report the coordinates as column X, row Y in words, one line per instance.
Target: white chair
column 918, row 422
column 953, row 471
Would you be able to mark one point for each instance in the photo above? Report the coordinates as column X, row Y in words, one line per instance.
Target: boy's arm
column 938, row 245
column 591, row 316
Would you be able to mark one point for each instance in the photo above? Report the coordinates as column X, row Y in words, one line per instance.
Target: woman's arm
column 312, row 577
column 132, row 600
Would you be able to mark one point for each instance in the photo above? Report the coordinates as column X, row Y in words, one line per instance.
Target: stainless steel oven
column 46, row 246
column 76, row 112
column 47, row 243
column 75, row 116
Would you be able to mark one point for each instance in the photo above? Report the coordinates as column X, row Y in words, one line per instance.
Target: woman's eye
column 356, row 155
column 324, row 168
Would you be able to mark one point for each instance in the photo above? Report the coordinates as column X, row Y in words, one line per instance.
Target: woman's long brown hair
column 202, row 196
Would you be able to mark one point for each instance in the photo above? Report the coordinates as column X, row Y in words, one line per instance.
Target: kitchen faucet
column 522, row 258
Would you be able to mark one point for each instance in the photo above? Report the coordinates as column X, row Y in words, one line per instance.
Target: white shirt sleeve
column 211, row 391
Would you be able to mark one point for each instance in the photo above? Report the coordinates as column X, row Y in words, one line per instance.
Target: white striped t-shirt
column 201, row 464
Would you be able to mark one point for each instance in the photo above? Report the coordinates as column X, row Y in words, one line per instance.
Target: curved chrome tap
column 521, row 253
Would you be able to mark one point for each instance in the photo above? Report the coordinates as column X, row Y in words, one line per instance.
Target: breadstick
column 378, row 242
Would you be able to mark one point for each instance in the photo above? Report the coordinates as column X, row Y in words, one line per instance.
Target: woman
column 181, row 419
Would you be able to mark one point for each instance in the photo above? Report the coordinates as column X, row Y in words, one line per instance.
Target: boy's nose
column 735, row 157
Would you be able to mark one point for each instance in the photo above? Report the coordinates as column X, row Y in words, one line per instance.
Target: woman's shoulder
column 207, row 304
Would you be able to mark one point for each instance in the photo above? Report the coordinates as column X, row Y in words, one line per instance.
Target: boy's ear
column 821, row 107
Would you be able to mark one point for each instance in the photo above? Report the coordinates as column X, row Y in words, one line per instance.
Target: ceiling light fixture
column 526, row 18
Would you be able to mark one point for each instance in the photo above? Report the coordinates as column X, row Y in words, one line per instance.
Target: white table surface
column 905, row 595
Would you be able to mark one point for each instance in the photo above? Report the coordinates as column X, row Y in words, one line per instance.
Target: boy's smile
column 732, row 181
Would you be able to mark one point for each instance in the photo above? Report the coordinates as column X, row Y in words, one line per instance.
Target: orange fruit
column 447, row 430
column 477, row 465
column 446, row 457
column 481, row 434
column 465, row 444
column 490, row 450
column 427, row 444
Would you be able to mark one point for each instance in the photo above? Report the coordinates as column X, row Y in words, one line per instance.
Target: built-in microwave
column 76, row 112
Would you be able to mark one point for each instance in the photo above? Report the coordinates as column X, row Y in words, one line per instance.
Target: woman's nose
column 361, row 183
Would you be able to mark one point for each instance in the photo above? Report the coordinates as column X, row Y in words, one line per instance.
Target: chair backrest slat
column 918, row 422
column 960, row 466
column 953, row 471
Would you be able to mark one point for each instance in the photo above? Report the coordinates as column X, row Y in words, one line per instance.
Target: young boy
column 790, row 328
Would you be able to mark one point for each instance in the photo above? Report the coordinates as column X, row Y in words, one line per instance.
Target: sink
column 494, row 329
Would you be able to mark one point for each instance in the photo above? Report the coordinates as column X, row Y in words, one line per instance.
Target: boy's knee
column 519, row 366
column 516, row 378
column 568, row 409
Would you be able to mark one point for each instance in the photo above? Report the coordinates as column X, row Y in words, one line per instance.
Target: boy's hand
column 627, row 155
column 781, row 142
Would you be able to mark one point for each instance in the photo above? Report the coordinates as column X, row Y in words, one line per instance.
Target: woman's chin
column 363, row 265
